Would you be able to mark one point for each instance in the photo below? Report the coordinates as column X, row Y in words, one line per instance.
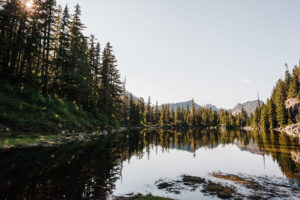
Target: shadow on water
column 89, row 170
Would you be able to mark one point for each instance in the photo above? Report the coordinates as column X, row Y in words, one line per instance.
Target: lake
column 128, row 163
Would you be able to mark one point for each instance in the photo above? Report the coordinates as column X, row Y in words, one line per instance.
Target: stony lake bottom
column 190, row 164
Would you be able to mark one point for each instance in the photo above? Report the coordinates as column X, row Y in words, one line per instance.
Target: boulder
column 292, row 130
column 293, row 107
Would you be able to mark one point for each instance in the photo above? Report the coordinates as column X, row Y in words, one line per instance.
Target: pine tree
column 280, row 103
column 272, row 114
column 264, row 118
column 163, row 114
column 294, row 84
column 172, row 116
column 62, row 60
column 75, row 64
column 49, row 8
column 12, row 38
column 125, row 105
column 132, row 112
column 167, row 111
column 156, row 114
column 256, row 117
column 287, row 79
column 178, row 118
column 192, row 120
column 147, row 117
column 111, row 86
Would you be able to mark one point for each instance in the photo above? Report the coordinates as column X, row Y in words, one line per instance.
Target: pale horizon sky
column 217, row 52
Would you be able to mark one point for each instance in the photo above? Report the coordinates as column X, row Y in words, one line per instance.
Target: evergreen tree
column 147, row 117
column 125, row 105
column 132, row 112
column 172, row 116
column 264, row 118
column 111, row 86
column 256, row 117
column 48, row 28
column 272, row 114
column 62, row 60
column 280, row 104
column 294, row 84
column 192, row 119
column 163, row 114
column 156, row 114
column 177, row 117
column 287, row 79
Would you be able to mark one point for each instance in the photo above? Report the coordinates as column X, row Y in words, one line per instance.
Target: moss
column 191, row 183
column 164, row 185
column 218, row 189
column 192, row 179
column 142, row 197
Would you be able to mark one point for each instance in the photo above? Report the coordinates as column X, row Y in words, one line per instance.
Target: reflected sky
column 140, row 174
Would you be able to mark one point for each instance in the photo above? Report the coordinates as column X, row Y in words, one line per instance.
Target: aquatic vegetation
column 140, row 197
column 218, row 189
column 191, row 183
column 228, row 186
column 192, row 179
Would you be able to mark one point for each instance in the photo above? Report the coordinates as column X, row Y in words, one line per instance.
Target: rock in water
column 292, row 130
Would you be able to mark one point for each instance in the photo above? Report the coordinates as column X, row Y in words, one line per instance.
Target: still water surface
column 133, row 162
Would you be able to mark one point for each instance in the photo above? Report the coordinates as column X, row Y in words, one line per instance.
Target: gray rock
column 292, row 130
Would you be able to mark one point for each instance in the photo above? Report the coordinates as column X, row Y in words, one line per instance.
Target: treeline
column 43, row 47
column 275, row 113
column 141, row 113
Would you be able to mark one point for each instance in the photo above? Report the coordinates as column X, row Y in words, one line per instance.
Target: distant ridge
column 249, row 106
column 184, row 104
column 133, row 97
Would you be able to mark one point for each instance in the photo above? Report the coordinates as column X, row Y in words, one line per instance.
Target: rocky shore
column 65, row 137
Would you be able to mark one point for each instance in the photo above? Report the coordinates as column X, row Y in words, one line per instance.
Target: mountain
column 129, row 93
column 213, row 107
column 249, row 106
column 189, row 103
column 182, row 105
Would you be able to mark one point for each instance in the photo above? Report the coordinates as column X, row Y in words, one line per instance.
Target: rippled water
column 133, row 163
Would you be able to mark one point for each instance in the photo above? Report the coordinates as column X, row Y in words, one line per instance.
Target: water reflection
column 94, row 170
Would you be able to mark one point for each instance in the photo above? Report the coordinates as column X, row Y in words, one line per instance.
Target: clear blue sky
column 215, row 51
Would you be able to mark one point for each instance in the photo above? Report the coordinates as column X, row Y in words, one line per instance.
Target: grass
column 26, row 111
